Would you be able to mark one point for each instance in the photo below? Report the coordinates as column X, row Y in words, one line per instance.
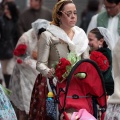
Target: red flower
column 61, row 68
column 20, row 50
column 19, row 61
column 100, row 59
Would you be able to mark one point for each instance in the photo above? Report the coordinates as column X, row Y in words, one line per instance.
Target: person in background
column 8, row 38
column 113, row 108
column 86, row 15
column 109, row 18
column 24, row 72
column 60, row 38
column 34, row 12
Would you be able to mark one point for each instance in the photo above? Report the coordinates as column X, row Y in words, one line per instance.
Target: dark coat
column 8, row 37
column 108, row 79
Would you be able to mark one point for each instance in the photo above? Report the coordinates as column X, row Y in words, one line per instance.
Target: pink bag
column 82, row 114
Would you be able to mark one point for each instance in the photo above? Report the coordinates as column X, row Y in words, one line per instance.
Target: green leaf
column 73, row 58
column 6, row 91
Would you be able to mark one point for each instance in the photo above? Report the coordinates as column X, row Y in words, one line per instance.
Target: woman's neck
column 69, row 32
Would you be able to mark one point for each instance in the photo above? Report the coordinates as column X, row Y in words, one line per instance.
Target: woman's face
column 6, row 10
column 94, row 43
column 68, row 18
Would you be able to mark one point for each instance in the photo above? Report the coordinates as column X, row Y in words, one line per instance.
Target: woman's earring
column 60, row 22
column 99, row 46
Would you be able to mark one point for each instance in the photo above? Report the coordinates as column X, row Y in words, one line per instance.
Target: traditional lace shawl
column 78, row 44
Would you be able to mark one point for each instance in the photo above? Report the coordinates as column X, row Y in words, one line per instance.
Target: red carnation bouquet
column 64, row 66
column 100, row 59
column 20, row 51
column 60, row 69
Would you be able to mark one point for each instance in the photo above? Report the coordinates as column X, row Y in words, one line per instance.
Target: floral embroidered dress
column 6, row 109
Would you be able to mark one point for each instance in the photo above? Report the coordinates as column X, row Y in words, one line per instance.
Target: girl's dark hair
column 13, row 10
column 113, row 1
column 99, row 36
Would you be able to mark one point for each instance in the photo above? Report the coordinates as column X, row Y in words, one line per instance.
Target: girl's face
column 94, row 43
column 68, row 18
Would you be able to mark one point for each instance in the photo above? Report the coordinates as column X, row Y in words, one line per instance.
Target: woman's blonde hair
column 57, row 10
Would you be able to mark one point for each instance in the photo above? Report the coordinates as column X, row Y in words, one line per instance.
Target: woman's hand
column 50, row 73
column 34, row 55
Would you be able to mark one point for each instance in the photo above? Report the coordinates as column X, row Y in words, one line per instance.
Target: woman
column 113, row 109
column 100, row 40
column 24, row 72
column 61, row 37
column 8, row 40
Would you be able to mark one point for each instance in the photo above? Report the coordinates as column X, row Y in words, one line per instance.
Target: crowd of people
column 32, row 41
